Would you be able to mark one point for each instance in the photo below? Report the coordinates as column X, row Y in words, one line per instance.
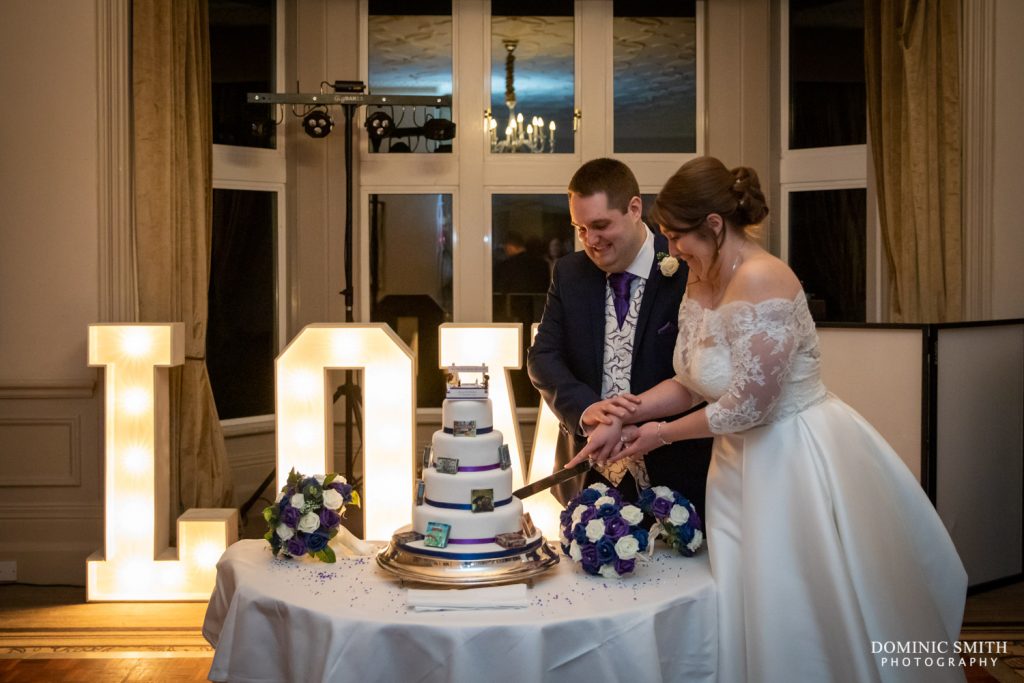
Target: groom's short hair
column 610, row 176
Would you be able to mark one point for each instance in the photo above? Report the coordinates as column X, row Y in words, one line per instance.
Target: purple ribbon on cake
column 479, row 468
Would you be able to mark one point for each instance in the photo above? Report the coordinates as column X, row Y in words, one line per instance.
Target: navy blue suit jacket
column 566, row 359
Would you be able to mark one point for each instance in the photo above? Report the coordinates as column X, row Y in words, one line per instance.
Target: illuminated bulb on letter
column 136, row 342
column 135, row 401
column 135, row 459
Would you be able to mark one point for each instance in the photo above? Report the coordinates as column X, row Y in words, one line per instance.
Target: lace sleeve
column 763, row 339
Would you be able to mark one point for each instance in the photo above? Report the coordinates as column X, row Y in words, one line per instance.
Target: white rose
column 284, row 532
column 563, row 538
column 574, row 551
column 627, row 547
column 604, row 500
column 298, row 500
column 632, row 514
column 309, row 522
column 332, row 499
column 577, row 513
column 595, row 530
column 662, row 492
column 694, row 543
column 679, row 515
column 607, row 570
column 669, row 265
column 599, row 487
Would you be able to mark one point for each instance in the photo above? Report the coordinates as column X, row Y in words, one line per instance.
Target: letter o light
column 305, row 422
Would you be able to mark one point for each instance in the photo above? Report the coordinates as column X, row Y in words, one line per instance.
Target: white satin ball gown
column 821, row 541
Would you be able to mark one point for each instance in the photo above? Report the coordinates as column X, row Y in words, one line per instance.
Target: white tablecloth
column 301, row 620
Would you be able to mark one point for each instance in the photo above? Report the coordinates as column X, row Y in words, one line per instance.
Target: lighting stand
column 349, row 99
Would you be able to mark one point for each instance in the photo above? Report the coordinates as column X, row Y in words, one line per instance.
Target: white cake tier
column 470, row 525
column 458, row 488
column 467, row 410
column 471, row 451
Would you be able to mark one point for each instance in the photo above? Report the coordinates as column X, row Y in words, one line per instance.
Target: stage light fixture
column 317, row 123
column 378, row 126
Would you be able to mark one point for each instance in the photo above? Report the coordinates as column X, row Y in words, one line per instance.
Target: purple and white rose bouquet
column 307, row 515
column 677, row 520
column 602, row 533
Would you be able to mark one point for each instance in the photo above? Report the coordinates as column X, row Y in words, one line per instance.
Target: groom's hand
column 604, row 411
column 602, row 443
column 638, row 442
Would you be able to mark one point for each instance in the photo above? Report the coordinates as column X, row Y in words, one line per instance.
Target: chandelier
column 519, row 135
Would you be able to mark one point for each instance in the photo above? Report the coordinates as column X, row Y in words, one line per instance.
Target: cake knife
column 549, row 481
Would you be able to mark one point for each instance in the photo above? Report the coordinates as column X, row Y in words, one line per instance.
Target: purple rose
column 662, row 507
column 344, row 489
column 605, row 550
column 588, row 514
column 290, row 516
column 296, row 547
column 589, row 496
column 614, row 494
column 695, row 521
column 624, row 566
column 579, row 532
column 608, row 510
column 316, row 541
column 616, row 527
column 565, row 518
column 329, row 518
column 588, row 557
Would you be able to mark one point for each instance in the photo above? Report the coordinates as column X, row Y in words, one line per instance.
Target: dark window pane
column 241, row 342
column 529, row 233
column 828, row 251
column 411, row 277
column 827, row 102
column 242, row 60
column 655, row 64
column 410, row 53
column 532, row 77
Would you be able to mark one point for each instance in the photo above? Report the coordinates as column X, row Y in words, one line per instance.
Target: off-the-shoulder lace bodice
column 753, row 363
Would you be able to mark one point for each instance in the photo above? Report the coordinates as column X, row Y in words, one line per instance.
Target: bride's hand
column 603, row 442
column 638, row 441
column 604, row 411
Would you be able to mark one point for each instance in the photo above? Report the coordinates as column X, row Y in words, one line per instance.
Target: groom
column 609, row 327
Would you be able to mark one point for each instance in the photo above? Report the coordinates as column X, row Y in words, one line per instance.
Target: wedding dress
column 822, row 543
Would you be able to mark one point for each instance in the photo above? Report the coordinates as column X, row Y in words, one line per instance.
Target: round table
column 301, row 620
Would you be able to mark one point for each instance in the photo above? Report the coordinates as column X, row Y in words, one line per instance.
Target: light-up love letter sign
column 499, row 347
column 305, row 417
column 136, row 563
column 543, row 507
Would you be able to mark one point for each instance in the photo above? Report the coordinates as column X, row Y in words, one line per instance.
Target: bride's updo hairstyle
column 703, row 186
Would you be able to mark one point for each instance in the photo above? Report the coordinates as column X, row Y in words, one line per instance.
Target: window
column 410, row 53
column 242, row 60
column 246, row 326
column 656, row 113
column 241, row 342
column 411, row 276
column 532, row 76
column 826, row 234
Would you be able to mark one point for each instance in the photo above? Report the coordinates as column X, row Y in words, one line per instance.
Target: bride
column 823, row 545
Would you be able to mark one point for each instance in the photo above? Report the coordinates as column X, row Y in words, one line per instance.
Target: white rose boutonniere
column 668, row 265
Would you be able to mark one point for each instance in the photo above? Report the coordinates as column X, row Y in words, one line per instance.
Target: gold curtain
column 173, row 192
column 913, row 96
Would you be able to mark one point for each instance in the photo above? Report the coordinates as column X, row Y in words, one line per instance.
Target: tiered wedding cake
column 464, row 508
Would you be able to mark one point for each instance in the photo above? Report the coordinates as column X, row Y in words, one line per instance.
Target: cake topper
column 467, row 381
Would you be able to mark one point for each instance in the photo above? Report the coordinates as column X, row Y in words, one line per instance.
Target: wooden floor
column 52, row 634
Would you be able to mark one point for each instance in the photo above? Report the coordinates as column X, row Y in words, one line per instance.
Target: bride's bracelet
column 660, row 437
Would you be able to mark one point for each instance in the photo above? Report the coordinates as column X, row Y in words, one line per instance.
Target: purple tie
column 619, row 282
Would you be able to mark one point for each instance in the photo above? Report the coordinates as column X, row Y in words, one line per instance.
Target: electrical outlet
column 8, row 571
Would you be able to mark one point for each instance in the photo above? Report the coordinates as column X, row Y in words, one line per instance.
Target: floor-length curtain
column 172, row 186
column 913, row 96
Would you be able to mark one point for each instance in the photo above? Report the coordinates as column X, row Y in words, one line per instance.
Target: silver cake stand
column 416, row 568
